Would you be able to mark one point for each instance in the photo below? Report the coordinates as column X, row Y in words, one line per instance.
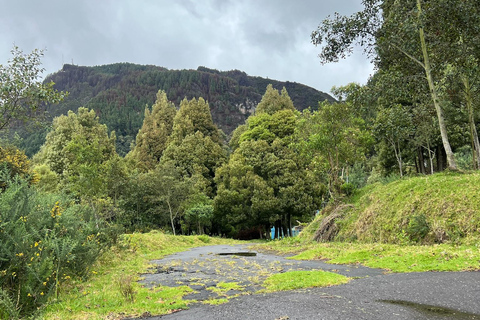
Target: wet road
column 370, row 295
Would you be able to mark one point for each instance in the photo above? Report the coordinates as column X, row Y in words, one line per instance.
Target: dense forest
column 120, row 92
column 136, row 148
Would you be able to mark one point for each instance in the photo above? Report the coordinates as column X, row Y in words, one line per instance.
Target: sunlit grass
column 394, row 258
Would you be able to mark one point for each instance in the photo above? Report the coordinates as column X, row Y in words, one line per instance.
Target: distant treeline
column 120, row 92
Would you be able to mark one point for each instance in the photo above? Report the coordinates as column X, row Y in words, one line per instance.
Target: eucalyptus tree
column 332, row 139
column 395, row 33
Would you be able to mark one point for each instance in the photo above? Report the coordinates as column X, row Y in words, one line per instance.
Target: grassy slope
column 449, row 202
column 378, row 230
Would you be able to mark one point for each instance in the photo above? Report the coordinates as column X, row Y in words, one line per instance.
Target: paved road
column 371, row 295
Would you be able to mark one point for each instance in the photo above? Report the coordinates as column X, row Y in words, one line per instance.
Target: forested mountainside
column 119, row 93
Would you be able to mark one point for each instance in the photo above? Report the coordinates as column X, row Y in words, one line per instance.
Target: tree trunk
column 398, row 155
column 430, row 157
column 433, row 92
column 440, row 158
column 285, row 230
column 471, row 121
column 421, row 161
column 171, row 217
column 289, row 224
column 477, row 145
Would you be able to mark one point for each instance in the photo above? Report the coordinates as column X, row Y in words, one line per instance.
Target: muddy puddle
column 436, row 312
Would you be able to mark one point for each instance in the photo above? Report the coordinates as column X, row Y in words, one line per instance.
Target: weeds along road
column 236, row 273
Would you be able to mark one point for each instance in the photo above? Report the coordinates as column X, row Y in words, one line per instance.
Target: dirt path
column 217, row 272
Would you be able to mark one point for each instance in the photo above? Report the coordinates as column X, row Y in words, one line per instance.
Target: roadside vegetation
column 112, row 291
column 426, row 223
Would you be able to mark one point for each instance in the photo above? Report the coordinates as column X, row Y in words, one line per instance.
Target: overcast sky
column 267, row 38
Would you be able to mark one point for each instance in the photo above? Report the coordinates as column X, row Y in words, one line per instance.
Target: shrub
column 347, row 188
column 418, row 227
column 45, row 239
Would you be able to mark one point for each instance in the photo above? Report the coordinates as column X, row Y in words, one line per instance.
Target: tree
column 194, row 115
column 244, row 200
column 169, row 191
column 394, row 125
column 388, row 28
column 332, row 139
column 77, row 150
column 198, row 156
column 21, row 91
column 152, row 138
column 265, row 181
column 273, row 101
column 13, row 162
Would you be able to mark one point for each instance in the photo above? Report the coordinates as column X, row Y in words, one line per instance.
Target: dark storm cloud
column 269, row 38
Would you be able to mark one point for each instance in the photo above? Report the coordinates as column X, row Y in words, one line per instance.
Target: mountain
column 119, row 93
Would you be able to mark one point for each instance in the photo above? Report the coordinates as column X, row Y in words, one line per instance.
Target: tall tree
column 265, row 181
column 194, row 115
column 394, row 30
column 194, row 146
column 152, row 138
column 273, row 101
column 78, row 149
column 332, row 139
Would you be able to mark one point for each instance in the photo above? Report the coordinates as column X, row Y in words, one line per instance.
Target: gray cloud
column 268, row 38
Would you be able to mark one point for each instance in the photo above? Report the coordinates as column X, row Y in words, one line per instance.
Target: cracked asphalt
column 216, row 272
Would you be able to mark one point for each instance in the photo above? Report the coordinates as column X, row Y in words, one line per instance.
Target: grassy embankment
column 427, row 223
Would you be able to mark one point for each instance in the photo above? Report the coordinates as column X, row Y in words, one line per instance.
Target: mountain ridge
column 120, row 92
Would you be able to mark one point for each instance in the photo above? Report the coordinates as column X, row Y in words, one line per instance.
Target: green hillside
column 444, row 207
column 119, row 93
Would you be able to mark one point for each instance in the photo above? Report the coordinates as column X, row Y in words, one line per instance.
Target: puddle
column 242, row 254
column 429, row 310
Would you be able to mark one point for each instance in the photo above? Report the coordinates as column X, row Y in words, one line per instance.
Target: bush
column 347, row 188
column 418, row 227
column 45, row 239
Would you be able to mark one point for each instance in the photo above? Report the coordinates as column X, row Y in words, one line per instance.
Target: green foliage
column 265, row 180
column 47, row 180
column 273, row 101
column 418, row 227
column 347, row 188
column 78, row 151
column 21, row 92
column 199, row 216
column 153, row 136
column 332, row 139
column 14, row 162
column 45, row 240
column 194, row 116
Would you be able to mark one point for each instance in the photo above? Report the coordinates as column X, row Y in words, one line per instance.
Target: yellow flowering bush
column 45, row 239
